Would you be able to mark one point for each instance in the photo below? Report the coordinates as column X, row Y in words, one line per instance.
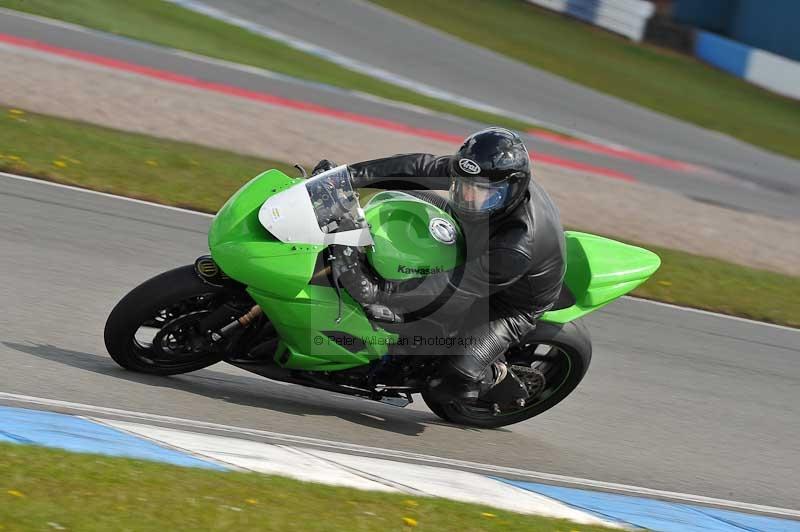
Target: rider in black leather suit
column 514, row 264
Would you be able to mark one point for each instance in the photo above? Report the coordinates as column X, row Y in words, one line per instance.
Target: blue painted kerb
column 661, row 516
column 49, row 429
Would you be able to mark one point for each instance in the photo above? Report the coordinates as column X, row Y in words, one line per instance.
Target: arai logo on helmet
column 442, row 230
column 469, row 166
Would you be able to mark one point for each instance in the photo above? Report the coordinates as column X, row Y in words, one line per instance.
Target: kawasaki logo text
column 425, row 270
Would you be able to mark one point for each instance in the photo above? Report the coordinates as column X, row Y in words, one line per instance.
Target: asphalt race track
column 770, row 197
column 675, row 400
column 375, row 36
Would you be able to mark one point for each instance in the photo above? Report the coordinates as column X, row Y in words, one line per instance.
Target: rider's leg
column 474, row 364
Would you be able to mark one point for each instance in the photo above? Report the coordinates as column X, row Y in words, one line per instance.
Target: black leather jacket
column 517, row 260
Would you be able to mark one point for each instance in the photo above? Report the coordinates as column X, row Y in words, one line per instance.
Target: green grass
column 132, row 165
column 44, row 489
column 169, row 25
column 712, row 284
column 668, row 82
column 175, row 173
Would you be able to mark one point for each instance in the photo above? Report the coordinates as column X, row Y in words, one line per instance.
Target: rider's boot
column 457, row 387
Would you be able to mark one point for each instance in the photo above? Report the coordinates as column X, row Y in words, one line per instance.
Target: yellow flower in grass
column 15, row 493
column 487, row 515
column 151, row 162
column 408, row 521
column 16, row 115
column 59, row 164
column 251, row 501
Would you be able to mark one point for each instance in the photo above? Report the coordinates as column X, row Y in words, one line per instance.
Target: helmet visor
column 478, row 195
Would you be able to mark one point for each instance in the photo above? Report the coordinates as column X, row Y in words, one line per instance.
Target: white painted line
column 413, row 85
column 240, row 67
column 51, row 21
column 103, row 194
column 535, row 121
column 336, row 58
column 379, row 73
column 403, row 455
column 360, row 472
column 189, row 211
column 714, row 314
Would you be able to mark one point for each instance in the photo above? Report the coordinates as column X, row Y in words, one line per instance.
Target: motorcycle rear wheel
column 165, row 307
column 561, row 352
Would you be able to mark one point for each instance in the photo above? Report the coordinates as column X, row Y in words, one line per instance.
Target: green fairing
column 599, row 270
column 249, row 253
column 404, row 248
column 306, row 325
column 278, row 275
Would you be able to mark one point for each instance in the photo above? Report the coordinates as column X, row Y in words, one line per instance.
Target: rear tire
column 141, row 306
column 572, row 347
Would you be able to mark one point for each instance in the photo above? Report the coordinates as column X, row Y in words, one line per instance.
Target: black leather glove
column 323, row 166
column 352, row 271
column 354, row 275
column 344, row 263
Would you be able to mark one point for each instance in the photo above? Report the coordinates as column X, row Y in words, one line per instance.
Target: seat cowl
column 600, row 270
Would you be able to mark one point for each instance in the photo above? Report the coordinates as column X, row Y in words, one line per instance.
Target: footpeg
column 400, row 402
column 382, row 313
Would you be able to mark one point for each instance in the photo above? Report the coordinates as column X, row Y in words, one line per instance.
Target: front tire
column 569, row 352
column 176, row 299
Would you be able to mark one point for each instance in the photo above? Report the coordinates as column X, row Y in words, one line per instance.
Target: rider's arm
column 414, row 171
column 493, row 271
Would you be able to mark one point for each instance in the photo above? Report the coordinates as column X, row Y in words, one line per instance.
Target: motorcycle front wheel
column 551, row 362
column 153, row 329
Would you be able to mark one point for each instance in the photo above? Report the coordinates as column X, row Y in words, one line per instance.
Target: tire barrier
column 625, row 17
column 759, row 67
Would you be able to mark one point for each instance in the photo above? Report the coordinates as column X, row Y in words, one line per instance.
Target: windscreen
column 334, row 200
column 321, row 210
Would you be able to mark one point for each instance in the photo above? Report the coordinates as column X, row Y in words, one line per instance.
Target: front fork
column 228, row 318
column 239, row 323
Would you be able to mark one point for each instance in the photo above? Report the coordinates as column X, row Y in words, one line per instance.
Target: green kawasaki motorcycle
column 267, row 300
